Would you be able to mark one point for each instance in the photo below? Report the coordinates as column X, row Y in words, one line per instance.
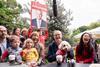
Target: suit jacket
column 8, row 45
column 43, row 23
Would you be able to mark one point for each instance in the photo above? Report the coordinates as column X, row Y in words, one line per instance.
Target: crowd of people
column 19, row 47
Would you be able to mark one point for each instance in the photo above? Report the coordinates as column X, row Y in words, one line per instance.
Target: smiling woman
column 85, row 51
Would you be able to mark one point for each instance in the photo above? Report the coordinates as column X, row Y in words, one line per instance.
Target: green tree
column 9, row 14
column 83, row 28
column 62, row 20
column 94, row 25
column 75, row 32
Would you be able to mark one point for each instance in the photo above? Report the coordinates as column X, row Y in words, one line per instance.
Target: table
column 8, row 65
column 51, row 65
column 66, row 65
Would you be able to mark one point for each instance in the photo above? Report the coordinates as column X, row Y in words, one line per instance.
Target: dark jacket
column 51, row 56
column 34, row 23
column 95, row 47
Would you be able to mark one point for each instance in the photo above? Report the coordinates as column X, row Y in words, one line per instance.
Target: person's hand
column 81, row 62
column 34, row 64
column 1, row 60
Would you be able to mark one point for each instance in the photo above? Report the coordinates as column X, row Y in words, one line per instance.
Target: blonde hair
column 24, row 29
column 26, row 41
column 34, row 33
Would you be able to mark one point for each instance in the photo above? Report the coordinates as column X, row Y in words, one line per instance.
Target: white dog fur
column 64, row 44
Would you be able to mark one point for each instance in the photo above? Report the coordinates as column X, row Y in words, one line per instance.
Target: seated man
column 53, row 47
column 4, row 41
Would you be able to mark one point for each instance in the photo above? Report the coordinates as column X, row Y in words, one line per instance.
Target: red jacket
column 61, row 52
column 84, row 57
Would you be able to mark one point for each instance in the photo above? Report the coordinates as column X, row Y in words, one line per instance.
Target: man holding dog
column 53, row 47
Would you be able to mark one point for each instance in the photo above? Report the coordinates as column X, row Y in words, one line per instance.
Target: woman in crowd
column 24, row 33
column 16, row 31
column 39, row 46
column 84, row 50
column 24, row 36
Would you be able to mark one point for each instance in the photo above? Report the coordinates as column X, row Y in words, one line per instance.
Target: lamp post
column 54, row 8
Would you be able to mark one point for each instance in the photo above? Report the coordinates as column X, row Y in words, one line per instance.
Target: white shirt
column 3, row 45
column 38, row 23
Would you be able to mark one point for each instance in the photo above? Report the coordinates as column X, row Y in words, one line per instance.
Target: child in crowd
column 29, row 54
column 13, row 53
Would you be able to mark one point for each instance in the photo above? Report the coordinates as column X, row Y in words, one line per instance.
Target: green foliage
column 61, row 21
column 63, row 17
column 9, row 14
column 83, row 28
column 75, row 32
column 94, row 25
column 98, row 41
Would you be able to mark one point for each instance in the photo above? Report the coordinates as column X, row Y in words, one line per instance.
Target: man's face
column 3, row 32
column 58, row 36
column 39, row 15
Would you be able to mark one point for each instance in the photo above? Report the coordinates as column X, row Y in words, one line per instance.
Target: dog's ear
column 67, row 45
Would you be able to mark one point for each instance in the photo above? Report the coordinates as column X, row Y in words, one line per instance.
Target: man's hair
column 3, row 27
column 55, row 31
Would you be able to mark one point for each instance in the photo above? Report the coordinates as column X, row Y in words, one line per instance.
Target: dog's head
column 64, row 45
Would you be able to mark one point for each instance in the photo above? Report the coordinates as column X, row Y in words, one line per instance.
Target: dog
column 62, row 51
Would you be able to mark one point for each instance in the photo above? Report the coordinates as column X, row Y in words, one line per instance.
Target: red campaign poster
column 39, row 14
column 39, row 18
